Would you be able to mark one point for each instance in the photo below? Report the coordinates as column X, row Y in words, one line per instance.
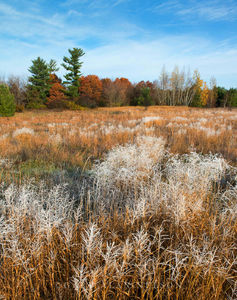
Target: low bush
column 7, row 102
column 72, row 105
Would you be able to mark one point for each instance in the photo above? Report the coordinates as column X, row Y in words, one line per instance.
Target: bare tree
column 212, row 96
column 189, row 90
column 163, row 84
column 17, row 87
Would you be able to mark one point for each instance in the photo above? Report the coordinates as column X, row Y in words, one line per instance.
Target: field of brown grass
column 119, row 203
column 69, row 139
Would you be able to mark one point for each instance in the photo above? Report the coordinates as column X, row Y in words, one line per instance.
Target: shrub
column 7, row 102
column 20, row 108
column 72, row 105
column 36, row 105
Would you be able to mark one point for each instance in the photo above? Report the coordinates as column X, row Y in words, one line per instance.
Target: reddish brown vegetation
column 90, row 90
column 56, row 92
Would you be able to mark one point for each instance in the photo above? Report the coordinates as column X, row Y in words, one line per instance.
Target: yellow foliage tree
column 204, row 94
column 201, row 90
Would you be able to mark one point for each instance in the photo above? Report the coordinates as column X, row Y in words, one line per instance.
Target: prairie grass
column 69, row 139
column 137, row 213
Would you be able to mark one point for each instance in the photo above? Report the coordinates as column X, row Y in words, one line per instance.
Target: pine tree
column 40, row 78
column 73, row 66
column 7, row 102
column 52, row 66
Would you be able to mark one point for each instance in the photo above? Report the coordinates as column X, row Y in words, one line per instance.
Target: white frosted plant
column 23, row 130
column 4, row 136
column 130, row 164
column 195, row 172
column 127, row 171
column 142, row 244
column 151, row 119
column 44, row 208
column 189, row 179
column 55, row 138
column 6, row 163
column 145, row 177
column 92, row 241
column 229, row 199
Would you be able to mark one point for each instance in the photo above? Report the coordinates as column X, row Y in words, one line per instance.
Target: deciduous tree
column 90, row 90
column 204, row 94
column 17, row 87
column 56, row 93
column 117, row 92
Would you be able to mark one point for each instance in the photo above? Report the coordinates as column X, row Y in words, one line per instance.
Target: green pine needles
column 7, row 102
column 73, row 65
column 40, row 77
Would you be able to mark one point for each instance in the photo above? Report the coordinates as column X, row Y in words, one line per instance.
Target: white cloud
column 136, row 60
column 144, row 60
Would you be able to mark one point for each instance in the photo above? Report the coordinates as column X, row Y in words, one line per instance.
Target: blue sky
column 129, row 38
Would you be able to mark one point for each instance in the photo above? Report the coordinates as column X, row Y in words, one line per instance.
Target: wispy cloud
column 167, row 6
column 95, row 4
column 118, row 2
column 213, row 10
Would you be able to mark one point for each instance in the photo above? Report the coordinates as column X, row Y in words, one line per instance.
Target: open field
column 60, row 140
column 119, row 203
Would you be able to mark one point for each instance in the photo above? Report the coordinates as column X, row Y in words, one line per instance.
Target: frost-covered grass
column 142, row 223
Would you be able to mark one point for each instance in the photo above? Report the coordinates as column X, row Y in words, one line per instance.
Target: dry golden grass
column 142, row 223
column 70, row 138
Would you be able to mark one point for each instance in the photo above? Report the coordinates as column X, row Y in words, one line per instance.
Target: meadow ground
column 119, row 203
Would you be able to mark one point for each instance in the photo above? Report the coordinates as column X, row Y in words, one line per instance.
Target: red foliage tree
column 90, row 90
column 117, row 92
column 124, row 88
column 56, row 93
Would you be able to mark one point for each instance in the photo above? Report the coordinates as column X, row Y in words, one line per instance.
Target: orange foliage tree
column 56, row 93
column 90, row 90
column 117, row 92
column 124, row 88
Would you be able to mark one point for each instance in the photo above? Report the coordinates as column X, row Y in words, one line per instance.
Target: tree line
column 44, row 89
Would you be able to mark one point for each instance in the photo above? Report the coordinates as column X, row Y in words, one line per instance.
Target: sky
column 122, row 38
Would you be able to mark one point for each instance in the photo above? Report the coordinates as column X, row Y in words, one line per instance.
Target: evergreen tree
column 232, row 93
column 73, row 65
column 52, row 66
column 7, row 102
column 40, row 77
column 33, row 98
column 221, row 96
